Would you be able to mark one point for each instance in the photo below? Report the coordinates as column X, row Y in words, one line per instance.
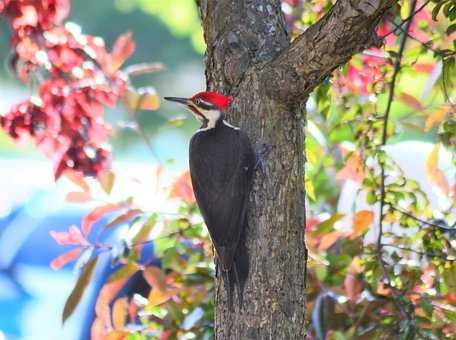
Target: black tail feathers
column 237, row 275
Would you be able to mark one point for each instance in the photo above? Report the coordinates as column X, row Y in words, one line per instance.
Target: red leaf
column 73, row 236
column 97, row 214
column 165, row 334
column 97, row 331
column 65, row 258
column 122, row 49
column 353, row 286
column 329, row 239
column 182, row 188
column 353, row 169
column 124, row 217
column 105, row 297
column 132, row 311
column 424, row 67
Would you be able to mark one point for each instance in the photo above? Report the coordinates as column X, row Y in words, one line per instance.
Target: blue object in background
column 32, row 295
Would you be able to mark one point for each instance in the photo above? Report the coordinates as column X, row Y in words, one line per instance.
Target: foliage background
column 365, row 279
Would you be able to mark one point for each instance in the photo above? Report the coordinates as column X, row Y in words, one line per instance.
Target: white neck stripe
column 229, row 125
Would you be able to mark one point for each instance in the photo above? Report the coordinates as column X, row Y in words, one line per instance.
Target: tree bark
column 249, row 56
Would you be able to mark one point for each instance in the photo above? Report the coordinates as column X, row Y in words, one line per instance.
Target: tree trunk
column 249, row 56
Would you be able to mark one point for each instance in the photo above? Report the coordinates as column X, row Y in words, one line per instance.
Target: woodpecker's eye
column 197, row 101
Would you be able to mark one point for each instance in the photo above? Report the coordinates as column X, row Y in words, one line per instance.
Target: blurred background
column 32, row 295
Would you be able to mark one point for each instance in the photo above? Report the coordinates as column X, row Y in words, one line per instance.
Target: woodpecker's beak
column 184, row 101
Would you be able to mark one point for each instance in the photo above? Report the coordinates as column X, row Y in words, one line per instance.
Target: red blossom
column 65, row 119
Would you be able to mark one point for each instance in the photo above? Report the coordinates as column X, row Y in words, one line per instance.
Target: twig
column 408, row 19
column 141, row 132
column 422, row 253
column 427, row 45
column 397, row 68
column 430, row 224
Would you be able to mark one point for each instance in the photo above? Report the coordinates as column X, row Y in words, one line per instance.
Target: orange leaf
column 144, row 98
column 77, row 179
column 182, row 188
column 78, row 197
column 122, row 49
column 436, row 117
column 433, row 173
column 353, row 169
column 157, row 296
column 65, row 258
column 97, row 214
column 361, row 221
column 119, row 313
column 411, row 101
column 329, row 239
column 107, row 179
column 116, row 335
column 382, row 289
column 155, row 277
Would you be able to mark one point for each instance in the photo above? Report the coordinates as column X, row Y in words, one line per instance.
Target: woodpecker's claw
column 262, row 151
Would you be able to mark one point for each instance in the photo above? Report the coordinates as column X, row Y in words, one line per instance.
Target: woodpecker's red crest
column 219, row 100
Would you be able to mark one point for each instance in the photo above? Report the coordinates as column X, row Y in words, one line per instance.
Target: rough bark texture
column 250, row 57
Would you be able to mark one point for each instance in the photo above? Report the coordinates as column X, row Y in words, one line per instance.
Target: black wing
column 221, row 166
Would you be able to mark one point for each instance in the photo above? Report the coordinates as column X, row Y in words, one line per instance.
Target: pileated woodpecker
column 222, row 163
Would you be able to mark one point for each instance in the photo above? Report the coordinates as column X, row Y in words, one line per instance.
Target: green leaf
column 327, row 225
column 427, row 306
column 310, row 191
column 126, row 271
column 451, row 29
column 321, row 271
column 78, row 290
column 436, row 10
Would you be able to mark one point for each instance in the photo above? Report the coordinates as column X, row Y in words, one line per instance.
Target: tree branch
column 348, row 28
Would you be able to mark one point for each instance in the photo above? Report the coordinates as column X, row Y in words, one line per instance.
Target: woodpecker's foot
column 262, row 151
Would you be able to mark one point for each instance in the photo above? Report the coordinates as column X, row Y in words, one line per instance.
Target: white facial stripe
column 212, row 117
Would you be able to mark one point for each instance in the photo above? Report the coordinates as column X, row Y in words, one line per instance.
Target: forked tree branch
column 348, row 28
